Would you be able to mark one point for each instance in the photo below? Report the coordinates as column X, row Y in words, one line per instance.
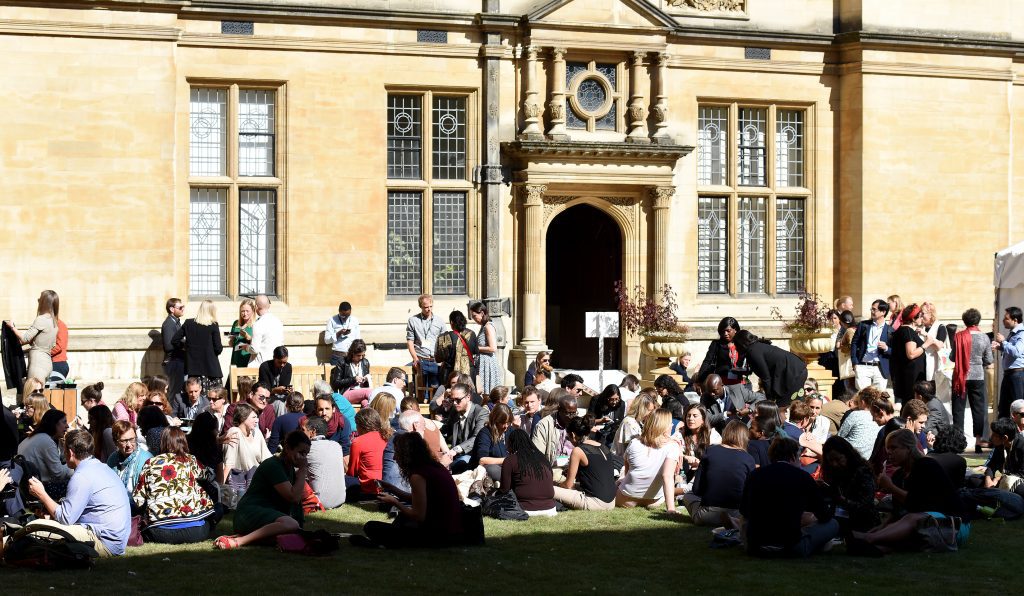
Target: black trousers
column 175, row 371
column 974, row 394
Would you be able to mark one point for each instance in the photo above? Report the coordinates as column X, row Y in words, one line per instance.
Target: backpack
column 503, row 506
column 47, row 548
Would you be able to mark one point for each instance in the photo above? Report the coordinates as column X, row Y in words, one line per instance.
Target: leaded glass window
column 595, row 96
column 712, row 245
column 405, row 264
column 257, row 242
column 789, row 245
column 449, row 138
column 449, row 243
column 255, row 132
column 789, row 148
column 208, row 131
column 207, row 242
column 751, row 131
column 750, row 245
column 712, row 135
column 404, row 136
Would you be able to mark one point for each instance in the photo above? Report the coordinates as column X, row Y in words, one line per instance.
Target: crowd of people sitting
column 781, row 468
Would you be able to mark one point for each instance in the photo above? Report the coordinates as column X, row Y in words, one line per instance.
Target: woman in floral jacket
column 175, row 508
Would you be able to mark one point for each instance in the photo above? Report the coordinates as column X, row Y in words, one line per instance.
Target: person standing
column 487, row 348
column 59, row 352
column 200, row 338
column 1012, row 347
column 267, row 333
column 341, row 330
column 174, row 356
column 41, row 335
column 421, row 333
column 972, row 352
column 240, row 335
column 869, row 352
column 907, row 361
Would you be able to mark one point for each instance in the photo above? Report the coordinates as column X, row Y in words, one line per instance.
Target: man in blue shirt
column 96, row 508
column 1012, row 347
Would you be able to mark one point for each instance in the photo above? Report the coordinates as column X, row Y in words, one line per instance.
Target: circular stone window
column 592, row 96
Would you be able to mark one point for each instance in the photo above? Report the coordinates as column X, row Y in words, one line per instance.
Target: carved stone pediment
column 705, row 8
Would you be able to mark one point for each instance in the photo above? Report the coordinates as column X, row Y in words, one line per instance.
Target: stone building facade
column 527, row 152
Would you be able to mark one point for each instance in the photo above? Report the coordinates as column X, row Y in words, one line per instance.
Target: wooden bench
column 238, row 371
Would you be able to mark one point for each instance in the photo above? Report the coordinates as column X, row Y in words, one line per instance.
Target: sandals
column 225, row 543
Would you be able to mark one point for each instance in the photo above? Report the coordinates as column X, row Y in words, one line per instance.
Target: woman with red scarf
column 972, row 352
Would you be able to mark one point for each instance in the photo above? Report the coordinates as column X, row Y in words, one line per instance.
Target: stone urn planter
column 662, row 347
column 808, row 345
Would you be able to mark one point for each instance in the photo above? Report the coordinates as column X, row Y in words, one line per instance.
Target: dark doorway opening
column 584, row 259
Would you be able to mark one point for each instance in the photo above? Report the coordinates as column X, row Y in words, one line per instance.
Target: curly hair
column 949, row 439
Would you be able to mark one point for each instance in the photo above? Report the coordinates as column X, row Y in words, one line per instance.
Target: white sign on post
column 601, row 325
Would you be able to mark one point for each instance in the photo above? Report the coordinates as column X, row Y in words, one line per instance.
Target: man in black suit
column 723, row 401
column 193, row 404
column 465, row 421
column 174, row 358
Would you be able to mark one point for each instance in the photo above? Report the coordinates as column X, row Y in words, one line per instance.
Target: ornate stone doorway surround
column 629, row 182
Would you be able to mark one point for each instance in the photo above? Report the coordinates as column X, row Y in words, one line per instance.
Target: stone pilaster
column 661, row 201
column 660, row 108
column 532, row 129
column 556, row 105
column 638, row 101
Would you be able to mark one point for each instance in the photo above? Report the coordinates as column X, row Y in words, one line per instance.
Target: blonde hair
column 252, row 305
column 132, row 394
column 655, row 432
column 640, row 407
column 31, row 384
column 899, row 303
column 385, row 405
column 207, row 314
column 39, row 405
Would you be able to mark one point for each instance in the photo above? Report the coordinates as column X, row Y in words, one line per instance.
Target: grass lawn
column 621, row 552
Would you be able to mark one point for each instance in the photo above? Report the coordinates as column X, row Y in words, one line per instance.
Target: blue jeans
column 1012, row 389
column 815, row 537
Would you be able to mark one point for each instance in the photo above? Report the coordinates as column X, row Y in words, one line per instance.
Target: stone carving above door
column 705, row 8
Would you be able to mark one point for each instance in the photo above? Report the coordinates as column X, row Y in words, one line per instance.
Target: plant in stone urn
column 662, row 335
column 810, row 327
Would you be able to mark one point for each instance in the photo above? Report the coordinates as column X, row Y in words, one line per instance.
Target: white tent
column 1009, row 291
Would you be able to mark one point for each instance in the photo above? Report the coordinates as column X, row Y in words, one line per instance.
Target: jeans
column 974, row 393
column 815, row 537
column 177, row 536
column 61, row 368
column 1012, row 389
column 460, row 464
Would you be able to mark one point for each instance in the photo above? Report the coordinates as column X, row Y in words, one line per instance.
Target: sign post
column 601, row 325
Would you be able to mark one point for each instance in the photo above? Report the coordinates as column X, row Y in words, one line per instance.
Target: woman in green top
column 241, row 333
column 273, row 503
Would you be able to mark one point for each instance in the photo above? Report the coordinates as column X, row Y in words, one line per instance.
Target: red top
column 366, row 460
column 59, row 352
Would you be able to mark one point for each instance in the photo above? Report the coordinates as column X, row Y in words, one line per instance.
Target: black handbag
column 503, row 505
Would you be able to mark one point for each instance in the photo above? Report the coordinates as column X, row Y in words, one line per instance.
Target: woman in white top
column 41, row 335
column 652, row 460
column 244, row 446
column 639, row 410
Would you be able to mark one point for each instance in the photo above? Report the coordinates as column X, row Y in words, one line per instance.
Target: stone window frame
column 234, row 184
column 616, row 95
column 427, row 186
column 733, row 192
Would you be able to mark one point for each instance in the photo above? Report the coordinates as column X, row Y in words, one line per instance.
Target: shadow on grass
column 624, row 552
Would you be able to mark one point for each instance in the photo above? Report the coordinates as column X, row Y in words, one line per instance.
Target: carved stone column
column 660, row 109
column 638, row 100
column 556, row 107
column 661, row 200
column 533, row 287
column 532, row 129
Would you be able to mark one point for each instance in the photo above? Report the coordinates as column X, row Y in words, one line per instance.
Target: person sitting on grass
column 1007, row 458
column 176, row 509
column 718, row 486
column 273, row 503
column 433, row 516
column 850, row 481
column 642, row 406
column 129, row 458
column 696, row 435
column 765, row 425
column 490, row 447
column 858, row 427
column 527, row 473
column 326, row 464
column 365, row 462
column 96, row 508
column 783, row 510
column 244, row 448
column 884, row 416
column 652, row 461
column 927, row 492
column 590, row 463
